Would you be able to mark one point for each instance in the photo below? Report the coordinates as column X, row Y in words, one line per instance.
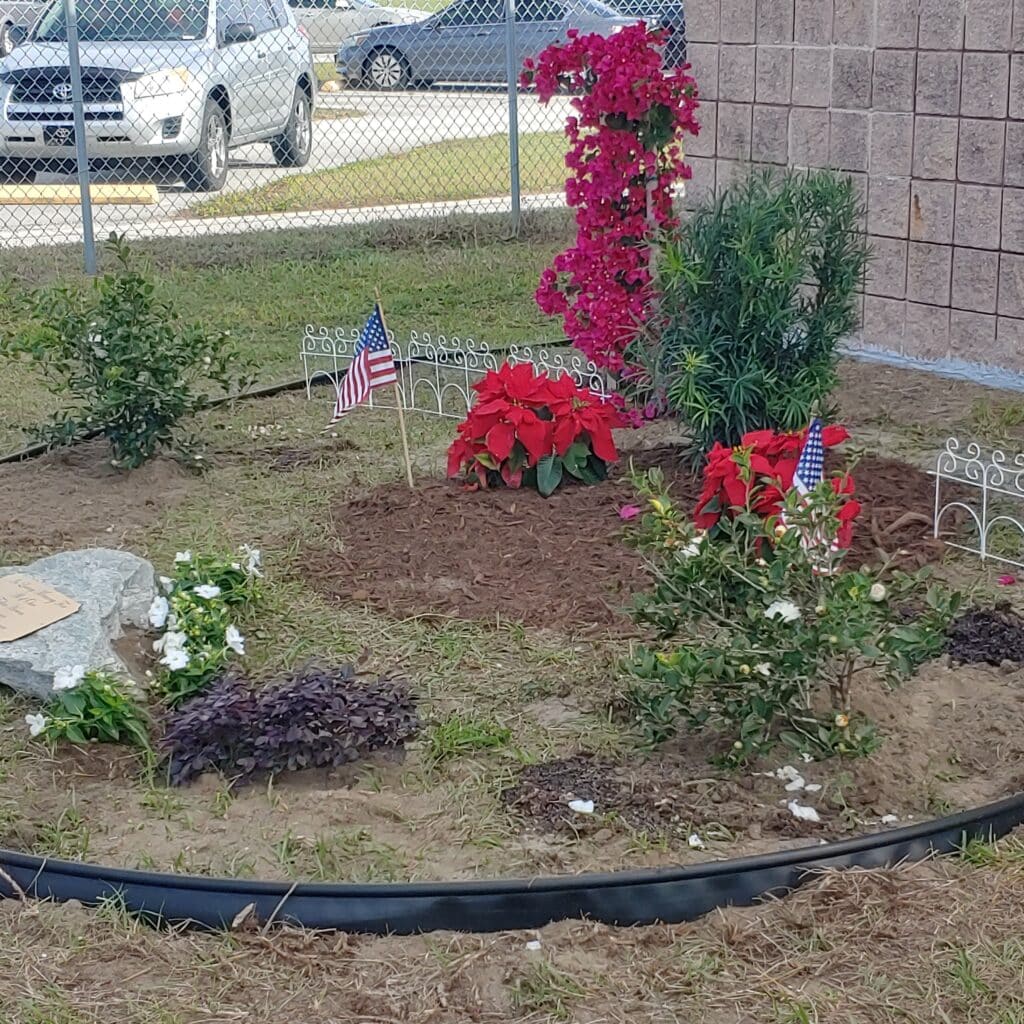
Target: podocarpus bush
column 122, row 362
column 758, row 290
column 758, row 643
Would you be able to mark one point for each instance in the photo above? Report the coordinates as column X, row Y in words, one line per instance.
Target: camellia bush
column 763, row 635
column 528, row 428
column 123, row 363
column 626, row 161
column 759, row 288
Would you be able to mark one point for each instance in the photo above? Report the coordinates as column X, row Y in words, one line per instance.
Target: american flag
column 810, row 470
column 373, row 366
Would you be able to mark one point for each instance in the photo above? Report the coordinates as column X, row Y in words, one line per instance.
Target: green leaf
column 549, row 474
column 74, row 733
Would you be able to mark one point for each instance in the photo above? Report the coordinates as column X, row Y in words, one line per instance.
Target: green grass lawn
column 457, row 169
column 461, row 276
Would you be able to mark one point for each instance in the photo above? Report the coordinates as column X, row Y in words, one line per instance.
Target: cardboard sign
column 27, row 605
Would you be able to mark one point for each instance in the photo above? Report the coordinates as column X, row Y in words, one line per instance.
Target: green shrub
column 759, row 288
column 91, row 707
column 757, row 644
column 122, row 362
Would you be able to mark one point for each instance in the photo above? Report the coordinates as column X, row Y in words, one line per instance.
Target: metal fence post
column 512, row 71
column 78, row 117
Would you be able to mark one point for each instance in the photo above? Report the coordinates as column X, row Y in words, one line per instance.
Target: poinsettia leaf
column 549, row 474
column 576, row 457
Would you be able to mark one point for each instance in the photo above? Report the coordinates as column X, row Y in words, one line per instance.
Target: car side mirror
column 239, row 32
column 18, row 35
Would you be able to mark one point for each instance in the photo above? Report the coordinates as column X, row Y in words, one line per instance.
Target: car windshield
column 594, row 8
column 127, row 21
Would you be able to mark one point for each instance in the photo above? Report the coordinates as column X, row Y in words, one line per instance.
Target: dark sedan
column 466, row 42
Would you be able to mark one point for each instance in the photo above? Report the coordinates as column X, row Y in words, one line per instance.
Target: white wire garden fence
column 187, row 118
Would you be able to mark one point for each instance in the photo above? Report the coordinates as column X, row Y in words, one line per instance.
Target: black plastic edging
column 619, row 898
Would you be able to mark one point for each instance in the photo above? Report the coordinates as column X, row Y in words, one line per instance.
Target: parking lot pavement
column 388, row 123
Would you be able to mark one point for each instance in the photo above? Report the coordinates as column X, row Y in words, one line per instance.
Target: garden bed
column 561, row 561
column 455, row 808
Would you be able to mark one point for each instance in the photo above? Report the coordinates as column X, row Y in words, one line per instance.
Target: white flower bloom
column 175, row 660
column 889, row 819
column 183, row 556
column 813, row 787
column 877, row 592
column 785, row 610
column 582, row 806
column 170, row 641
column 69, row 677
column 208, row 590
column 166, row 584
column 763, row 668
column 253, row 560
column 237, row 566
column 159, row 609
column 36, row 724
column 695, row 842
column 802, row 813
column 234, row 640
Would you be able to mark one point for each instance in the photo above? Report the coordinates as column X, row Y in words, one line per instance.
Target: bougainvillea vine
column 626, row 161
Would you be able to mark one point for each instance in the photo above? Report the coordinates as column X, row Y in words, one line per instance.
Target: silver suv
column 180, row 80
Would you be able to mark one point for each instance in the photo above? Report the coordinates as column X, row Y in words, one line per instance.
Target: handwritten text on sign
column 27, row 605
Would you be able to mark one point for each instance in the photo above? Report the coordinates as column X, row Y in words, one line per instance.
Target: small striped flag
column 373, row 366
column 810, row 470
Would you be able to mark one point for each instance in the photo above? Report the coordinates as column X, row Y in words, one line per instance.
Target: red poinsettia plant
column 528, row 427
column 757, row 474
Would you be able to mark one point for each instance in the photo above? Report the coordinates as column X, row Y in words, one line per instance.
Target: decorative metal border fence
column 998, row 479
column 436, row 372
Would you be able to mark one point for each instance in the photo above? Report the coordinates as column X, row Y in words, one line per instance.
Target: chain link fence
column 199, row 117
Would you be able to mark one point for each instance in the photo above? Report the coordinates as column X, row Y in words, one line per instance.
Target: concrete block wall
column 922, row 103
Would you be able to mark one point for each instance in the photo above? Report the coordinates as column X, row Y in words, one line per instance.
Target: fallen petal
column 629, row 511
column 1006, row 580
column 533, row 944
column 889, row 819
column 802, row 813
column 695, row 842
column 813, row 787
column 582, row 806
column 795, row 785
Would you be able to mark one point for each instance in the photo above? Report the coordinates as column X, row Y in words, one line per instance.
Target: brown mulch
column 987, row 635
column 560, row 561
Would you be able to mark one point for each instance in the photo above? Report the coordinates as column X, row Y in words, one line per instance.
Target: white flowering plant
column 758, row 642
column 197, row 613
column 90, row 706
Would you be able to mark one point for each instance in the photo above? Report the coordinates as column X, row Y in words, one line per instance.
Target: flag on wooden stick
column 373, row 366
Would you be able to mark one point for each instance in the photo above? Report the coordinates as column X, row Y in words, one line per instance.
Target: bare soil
column 75, row 498
column 951, row 741
column 560, row 562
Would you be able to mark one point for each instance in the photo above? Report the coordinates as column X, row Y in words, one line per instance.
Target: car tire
column 386, row 69
column 16, row 172
column 206, row 170
column 292, row 147
column 6, row 42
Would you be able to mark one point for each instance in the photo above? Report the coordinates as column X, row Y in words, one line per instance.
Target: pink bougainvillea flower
column 625, row 160
column 1006, row 580
column 628, row 512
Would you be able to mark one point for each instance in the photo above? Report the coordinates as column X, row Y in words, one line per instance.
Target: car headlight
column 162, row 83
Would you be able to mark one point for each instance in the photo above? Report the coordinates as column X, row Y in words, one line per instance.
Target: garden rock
column 114, row 588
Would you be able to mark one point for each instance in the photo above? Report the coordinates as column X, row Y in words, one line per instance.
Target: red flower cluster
column 626, row 158
column 521, row 416
column 772, row 459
